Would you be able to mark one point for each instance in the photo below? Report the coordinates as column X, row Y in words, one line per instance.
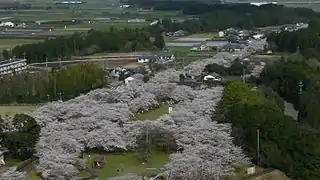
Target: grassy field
column 12, row 110
column 107, row 25
column 128, row 162
column 153, row 114
column 11, row 43
column 204, row 35
column 71, row 29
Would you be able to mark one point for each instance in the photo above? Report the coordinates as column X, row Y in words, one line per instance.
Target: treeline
column 62, row 48
column 306, row 41
column 284, row 77
column 222, row 16
column 19, row 136
column 283, row 144
column 236, row 69
column 59, row 84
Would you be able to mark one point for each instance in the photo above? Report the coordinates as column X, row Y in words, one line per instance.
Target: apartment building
column 12, row 66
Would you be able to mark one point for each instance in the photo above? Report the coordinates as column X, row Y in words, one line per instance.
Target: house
column 165, row 56
column 200, row 47
column 221, row 34
column 128, row 80
column 7, row 24
column 258, row 36
column 179, row 33
column 12, row 66
column 136, row 20
column 146, row 58
column 211, row 78
column 116, row 72
column 230, row 47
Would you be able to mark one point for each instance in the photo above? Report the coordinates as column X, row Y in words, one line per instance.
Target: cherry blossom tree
column 12, row 174
column 100, row 119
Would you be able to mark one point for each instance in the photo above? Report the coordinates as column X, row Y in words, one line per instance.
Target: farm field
column 12, row 42
column 204, row 35
column 11, row 110
column 108, row 25
column 128, row 162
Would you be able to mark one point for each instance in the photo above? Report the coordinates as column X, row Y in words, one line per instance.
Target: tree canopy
column 61, row 48
column 20, row 136
column 283, row 144
column 306, row 41
column 63, row 83
column 214, row 17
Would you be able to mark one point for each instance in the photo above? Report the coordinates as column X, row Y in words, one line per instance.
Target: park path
column 290, row 111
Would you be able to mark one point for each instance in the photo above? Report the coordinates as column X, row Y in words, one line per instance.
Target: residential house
column 200, row 47
column 165, row 56
column 179, row 33
column 136, row 20
column 230, row 47
column 116, row 72
column 146, row 58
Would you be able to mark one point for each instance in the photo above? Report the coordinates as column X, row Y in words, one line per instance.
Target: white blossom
column 12, row 174
column 100, row 119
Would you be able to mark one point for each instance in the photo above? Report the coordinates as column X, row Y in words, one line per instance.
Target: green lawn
column 11, row 110
column 153, row 114
column 12, row 42
column 128, row 162
column 73, row 29
column 32, row 175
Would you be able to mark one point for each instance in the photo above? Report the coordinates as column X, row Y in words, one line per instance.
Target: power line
column 258, row 146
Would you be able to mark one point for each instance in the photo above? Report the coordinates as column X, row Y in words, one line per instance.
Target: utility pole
column 147, row 144
column 300, row 85
column 258, row 146
column 74, row 47
column 60, row 96
column 46, row 62
column 48, row 96
column 243, row 75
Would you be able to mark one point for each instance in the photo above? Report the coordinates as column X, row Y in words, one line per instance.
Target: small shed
column 128, row 79
column 212, row 77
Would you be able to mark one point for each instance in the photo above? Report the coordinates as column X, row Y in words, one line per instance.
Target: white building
column 221, row 34
column 7, row 24
column 12, row 66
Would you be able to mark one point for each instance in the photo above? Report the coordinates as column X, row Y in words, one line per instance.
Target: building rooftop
column 9, row 61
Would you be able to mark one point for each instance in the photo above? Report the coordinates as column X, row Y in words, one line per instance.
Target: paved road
column 84, row 60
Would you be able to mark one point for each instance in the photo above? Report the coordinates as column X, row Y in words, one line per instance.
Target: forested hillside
column 221, row 16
